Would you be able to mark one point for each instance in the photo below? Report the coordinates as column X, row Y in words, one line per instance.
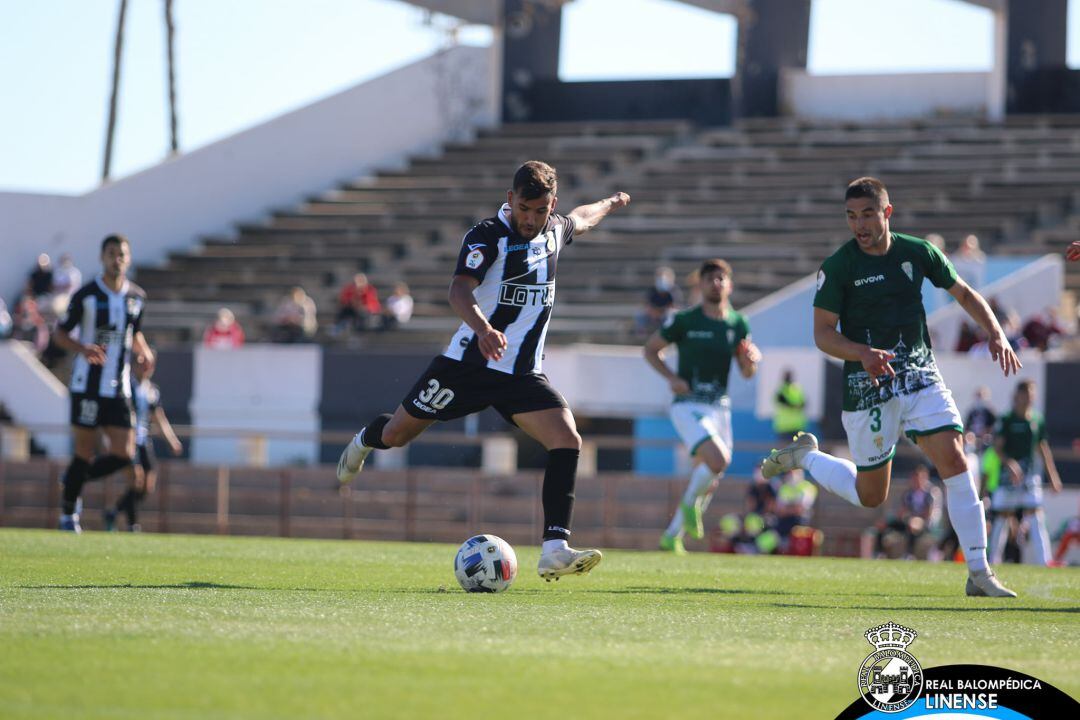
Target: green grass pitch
column 151, row 626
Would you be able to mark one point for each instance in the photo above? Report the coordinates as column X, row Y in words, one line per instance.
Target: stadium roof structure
column 489, row 12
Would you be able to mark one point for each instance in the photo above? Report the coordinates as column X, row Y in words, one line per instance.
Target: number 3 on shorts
column 875, row 419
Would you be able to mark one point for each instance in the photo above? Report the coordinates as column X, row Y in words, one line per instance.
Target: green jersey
column 706, row 346
column 1022, row 436
column 879, row 301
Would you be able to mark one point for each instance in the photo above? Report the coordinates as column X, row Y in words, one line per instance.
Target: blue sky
column 240, row 62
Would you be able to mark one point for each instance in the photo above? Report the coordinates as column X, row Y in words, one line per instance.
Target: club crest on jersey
column 551, row 242
column 527, row 295
column 134, row 305
column 474, row 260
column 731, row 336
column 906, row 267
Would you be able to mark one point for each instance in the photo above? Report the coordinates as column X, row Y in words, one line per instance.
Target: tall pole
column 111, row 129
column 170, row 31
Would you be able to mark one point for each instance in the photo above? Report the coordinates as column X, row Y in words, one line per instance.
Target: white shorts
column 697, row 422
column 872, row 434
column 1026, row 496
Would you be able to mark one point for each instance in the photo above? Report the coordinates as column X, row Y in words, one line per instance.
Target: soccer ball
column 485, row 563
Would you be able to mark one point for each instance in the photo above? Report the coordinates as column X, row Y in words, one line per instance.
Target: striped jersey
column 109, row 319
column 147, row 398
column 516, row 291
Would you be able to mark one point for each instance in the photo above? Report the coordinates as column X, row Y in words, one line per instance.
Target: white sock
column 834, row 474
column 675, row 527
column 999, row 535
column 1040, row 539
column 551, row 546
column 968, row 518
column 700, row 481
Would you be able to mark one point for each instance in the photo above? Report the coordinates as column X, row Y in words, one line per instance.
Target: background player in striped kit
column 107, row 312
column 708, row 337
column 504, row 291
column 146, row 398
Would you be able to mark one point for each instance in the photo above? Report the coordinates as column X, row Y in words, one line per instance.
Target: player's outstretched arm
column 976, row 307
column 167, row 431
column 492, row 342
column 1051, row 467
column 586, row 217
column 831, row 342
column 653, row 351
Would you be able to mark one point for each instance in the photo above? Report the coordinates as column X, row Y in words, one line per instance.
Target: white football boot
column 984, row 583
column 567, row 561
column 788, row 458
column 351, row 461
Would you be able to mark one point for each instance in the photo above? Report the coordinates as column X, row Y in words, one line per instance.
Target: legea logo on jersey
column 869, row 280
column 526, row 295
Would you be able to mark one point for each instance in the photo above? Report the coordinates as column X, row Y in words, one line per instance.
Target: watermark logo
column 890, row 679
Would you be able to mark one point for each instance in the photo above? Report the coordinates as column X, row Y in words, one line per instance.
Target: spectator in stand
column 1072, row 253
column 1041, row 329
column 398, row 307
column 789, row 414
column 794, row 503
column 358, row 305
column 29, row 324
column 6, row 323
column 761, row 495
column 693, row 288
column 981, row 419
column 660, row 301
column 970, row 262
column 40, row 281
column 224, row 333
column 66, row 280
column 295, row 319
column 937, row 240
column 917, row 517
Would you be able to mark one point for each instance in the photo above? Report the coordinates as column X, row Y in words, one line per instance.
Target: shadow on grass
column 189, row 585
column 928, row 609
column 689, row 591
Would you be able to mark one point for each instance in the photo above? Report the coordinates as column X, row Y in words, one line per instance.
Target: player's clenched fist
column 492, row 344
column 620, row 199
column 876, row 363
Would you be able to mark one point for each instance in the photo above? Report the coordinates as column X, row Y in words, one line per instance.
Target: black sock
column 106, row 465
column 558, row 492
column 372, row 434
column 129, row 504
column 74, row 478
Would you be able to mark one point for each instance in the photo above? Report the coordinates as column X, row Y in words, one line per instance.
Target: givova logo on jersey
column 526, row 295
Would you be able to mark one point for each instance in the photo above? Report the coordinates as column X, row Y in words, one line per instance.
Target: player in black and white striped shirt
column 504, row 290
column 107, row 312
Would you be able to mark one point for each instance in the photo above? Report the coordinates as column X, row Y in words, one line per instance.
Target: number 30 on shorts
column 434, row 396
column 875, row 419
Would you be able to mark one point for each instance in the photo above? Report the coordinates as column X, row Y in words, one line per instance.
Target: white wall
column 876, row 97
column 278, row 163
column 271, row 389
column 34, row 397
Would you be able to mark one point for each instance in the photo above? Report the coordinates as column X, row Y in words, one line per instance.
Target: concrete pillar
column 498, row 456
column 530, row 52
column 1036, row 54
column 775, row 35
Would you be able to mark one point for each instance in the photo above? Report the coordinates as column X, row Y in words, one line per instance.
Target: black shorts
column 146, row 455
column 91, row 412
column 451, row 389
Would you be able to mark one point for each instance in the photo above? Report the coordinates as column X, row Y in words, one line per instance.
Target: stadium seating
column 764, row 194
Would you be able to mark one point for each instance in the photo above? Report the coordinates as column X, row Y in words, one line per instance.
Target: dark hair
column 535, row 179
column 867, row 187
column 114, row 240
column 1027, row 386
column 714, row 265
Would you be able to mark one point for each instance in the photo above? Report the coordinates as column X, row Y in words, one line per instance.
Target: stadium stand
column 762, row 193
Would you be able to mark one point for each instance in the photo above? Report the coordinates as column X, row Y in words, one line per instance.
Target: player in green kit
column 1019, row 435
column 872, row 287
column 708, row 336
